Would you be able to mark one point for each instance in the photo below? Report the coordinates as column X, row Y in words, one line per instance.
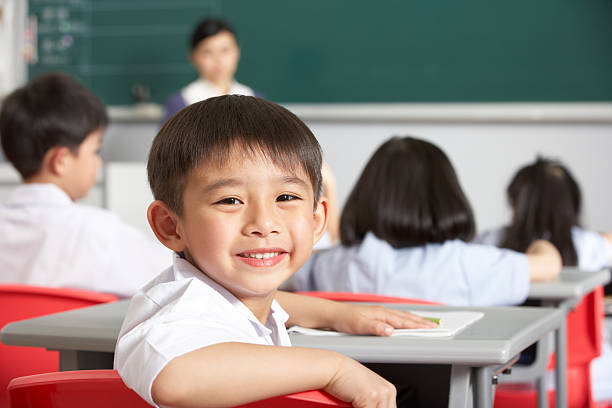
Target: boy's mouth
column 262, row 257
column 259, row 255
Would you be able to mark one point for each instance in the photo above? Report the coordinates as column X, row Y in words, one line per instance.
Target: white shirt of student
column 593, row 251
column 180, row 311
column 48, row 240
column 454, row 272
column 201, row 89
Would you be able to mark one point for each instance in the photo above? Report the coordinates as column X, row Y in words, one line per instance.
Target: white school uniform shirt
column 592, row 250
column 180, row 311
column 201, row 89
column 454, row 272
column 48, row 240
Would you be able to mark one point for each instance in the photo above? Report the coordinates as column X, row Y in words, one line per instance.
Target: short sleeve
column 496, row 277
column 593, row 250
column 145, row 350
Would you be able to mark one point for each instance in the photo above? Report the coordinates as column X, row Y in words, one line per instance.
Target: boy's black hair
column 407, row 195
column 546, row 201
column 51, row 110
column 207, row 131
column 207, row 28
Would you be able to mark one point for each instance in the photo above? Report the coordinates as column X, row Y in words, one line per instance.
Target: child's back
column 453, row 272
column 51, row 131
column 405, row 229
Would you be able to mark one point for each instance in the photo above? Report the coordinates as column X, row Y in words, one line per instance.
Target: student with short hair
column 214, row 52
column 236, row 181
column 405, row 231
column 51, row 130
column 546, row 203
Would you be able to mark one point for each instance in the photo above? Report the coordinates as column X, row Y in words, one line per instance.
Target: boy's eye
column 287, row 197
column 229, row 201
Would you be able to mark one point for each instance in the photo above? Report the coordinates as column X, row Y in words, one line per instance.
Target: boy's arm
column 230, row 374
column 544, row 260
column 309, row 311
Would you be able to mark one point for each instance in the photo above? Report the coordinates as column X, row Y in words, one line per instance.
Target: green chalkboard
column 340, row 50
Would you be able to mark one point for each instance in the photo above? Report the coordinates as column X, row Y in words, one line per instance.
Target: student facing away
column 51, row 130
column 405, row 231
column 546, row 202
column 215, row 53
column 236, row 181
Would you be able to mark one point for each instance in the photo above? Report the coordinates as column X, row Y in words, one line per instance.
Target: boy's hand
column 378, row 320
column 360, row 386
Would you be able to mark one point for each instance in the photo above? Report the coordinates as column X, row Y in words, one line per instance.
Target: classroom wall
column 485, row 156
column 484, row 153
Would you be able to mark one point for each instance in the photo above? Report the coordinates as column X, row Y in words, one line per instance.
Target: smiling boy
column 236, row 181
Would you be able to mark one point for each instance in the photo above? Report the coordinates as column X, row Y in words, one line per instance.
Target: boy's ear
column 320, row 219
column 58, row 159
column 164, row 222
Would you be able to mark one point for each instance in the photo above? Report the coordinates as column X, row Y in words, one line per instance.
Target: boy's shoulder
column 182, row 286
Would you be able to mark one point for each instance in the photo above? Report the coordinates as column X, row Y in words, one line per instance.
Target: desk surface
column 571, row 284
column 495, row 339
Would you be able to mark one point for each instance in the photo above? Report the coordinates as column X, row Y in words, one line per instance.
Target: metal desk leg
column 459, row 393
column 542, row 392
column 483, row 387
column 561, row 365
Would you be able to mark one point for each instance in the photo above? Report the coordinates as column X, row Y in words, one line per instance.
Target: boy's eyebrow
column 233, row 182
column 294, row 180
column 227, row 182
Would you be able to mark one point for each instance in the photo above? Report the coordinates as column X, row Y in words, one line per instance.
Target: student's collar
column 199, row 90
column 38, row 194
column 183, row 269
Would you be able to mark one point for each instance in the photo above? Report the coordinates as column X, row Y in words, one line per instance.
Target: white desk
column 86, row 340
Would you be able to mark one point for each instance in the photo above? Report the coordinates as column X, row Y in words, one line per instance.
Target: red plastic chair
column 19, row 302
column 365, row 297
column 584, row 325
column 104, row 388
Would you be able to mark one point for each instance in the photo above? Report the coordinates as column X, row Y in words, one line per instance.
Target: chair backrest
column 104, row 388
column 19, row 302
column 365, row 297
column 584, row 328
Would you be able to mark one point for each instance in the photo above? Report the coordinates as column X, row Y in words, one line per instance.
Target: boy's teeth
column 261, row 255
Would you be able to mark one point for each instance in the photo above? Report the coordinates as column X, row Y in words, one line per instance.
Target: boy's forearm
column 307, row 311
column 230, row 374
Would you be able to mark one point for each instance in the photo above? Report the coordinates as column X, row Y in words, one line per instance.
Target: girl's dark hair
column 407, row 195
column 546, row 201
column 52, row 110
column 206, row 132
column 207, row 28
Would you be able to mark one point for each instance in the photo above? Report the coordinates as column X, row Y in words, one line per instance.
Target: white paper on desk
column 451, row 323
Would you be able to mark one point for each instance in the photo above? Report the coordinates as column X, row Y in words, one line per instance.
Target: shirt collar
column 38, row 194
column 183, row 269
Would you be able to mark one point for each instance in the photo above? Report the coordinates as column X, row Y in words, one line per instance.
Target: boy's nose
column 261, row 222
